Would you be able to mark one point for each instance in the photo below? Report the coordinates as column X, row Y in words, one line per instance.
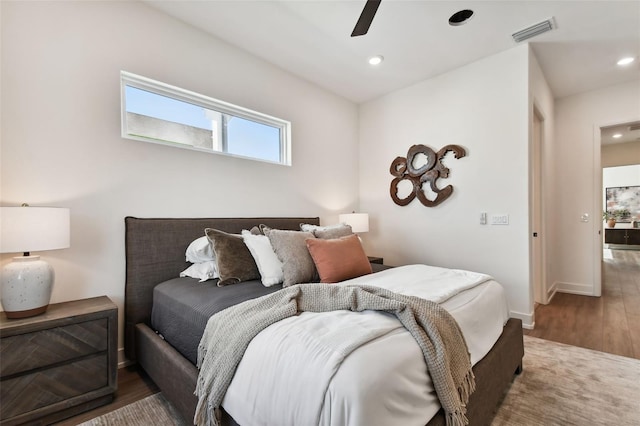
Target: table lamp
column 359, row 222
column 28, row 280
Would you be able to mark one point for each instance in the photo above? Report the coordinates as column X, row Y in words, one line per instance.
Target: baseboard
column 552, row 292
column 122, row 360
column 573, row 288
column 527, row 319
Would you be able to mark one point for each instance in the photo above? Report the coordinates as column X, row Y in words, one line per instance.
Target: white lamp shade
column 26, row 229
column 359, row 222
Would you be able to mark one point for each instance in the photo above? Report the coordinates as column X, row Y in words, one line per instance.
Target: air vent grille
column 534, row 30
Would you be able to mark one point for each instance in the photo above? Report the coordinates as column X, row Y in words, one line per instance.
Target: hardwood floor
column 610, row 323
column 133, row 385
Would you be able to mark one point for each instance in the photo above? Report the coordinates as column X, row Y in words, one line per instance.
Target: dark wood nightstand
column 60, row 363
column 373, row 259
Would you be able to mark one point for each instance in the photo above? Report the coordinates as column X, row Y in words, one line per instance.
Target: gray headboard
column 155, row 253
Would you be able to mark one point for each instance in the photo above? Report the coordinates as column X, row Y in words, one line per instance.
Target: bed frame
column 155, row 253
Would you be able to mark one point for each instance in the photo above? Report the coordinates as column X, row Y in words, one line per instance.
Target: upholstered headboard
column 155, row 253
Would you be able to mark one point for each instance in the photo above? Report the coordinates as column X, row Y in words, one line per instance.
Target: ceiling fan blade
column 366, row 17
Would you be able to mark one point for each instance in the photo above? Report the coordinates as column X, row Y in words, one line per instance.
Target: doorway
column 620, row 192
column 538, row 278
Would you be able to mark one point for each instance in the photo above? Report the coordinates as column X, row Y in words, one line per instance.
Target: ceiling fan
column 366, row 17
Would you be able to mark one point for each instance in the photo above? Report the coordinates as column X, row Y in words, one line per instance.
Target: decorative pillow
column 199, row 251
column 291, row 249
column 235, row 263
column 328, row 232
column 339, row 259
column 264, row 228
column 269, row 265
column 255, row 231
column 203, row 271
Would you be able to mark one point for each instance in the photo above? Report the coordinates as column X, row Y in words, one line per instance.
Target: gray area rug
column 560, row 385
column 566, row 385
column 153, row 410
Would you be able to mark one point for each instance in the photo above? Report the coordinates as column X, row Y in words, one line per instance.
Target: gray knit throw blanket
column 229, row 332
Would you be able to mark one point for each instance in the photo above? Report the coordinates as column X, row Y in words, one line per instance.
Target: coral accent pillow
column 339, row 259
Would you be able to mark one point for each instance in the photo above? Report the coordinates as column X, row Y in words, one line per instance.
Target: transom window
column 159, row 113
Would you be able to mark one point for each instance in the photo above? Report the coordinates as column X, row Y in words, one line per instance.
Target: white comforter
column 347, row 368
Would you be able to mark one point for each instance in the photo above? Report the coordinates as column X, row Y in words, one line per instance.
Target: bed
column 155, row 254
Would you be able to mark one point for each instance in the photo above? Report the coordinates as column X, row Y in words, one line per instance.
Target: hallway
column 610, row 323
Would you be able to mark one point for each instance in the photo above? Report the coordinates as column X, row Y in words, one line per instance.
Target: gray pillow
column 235, row 262
column 332, row 233
column 291, row 249
column 328, row 232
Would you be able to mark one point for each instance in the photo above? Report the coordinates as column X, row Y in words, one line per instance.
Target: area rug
column 567, row 385
column 560, row 385
column 153, row 410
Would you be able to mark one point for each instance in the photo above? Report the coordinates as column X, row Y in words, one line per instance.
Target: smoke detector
column 533, row 30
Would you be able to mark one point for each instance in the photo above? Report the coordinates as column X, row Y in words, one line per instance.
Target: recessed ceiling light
column 626, row 61
column 376, row 60
column 460, row 17
column 617, row 135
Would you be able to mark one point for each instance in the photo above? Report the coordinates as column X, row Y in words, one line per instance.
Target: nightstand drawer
column 58, row 364
column 24, row 352
column 45, row 387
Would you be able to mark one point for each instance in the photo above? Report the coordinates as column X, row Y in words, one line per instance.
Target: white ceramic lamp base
column 26, row 286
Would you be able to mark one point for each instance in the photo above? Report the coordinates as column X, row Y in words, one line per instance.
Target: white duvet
column 346, row 368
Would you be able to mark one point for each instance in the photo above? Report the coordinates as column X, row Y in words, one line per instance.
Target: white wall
column 61, row 143
column 620, row 176
column 483, row 107
column 578, row 176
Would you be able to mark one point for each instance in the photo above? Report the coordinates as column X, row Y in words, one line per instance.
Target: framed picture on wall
column 624, row 201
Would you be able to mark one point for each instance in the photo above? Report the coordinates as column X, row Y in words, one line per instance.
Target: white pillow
column 203, row 271
column 199, row 251
column 269, row 265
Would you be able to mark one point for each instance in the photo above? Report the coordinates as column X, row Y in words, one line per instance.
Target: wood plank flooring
column 610, row 323
column 133, row 385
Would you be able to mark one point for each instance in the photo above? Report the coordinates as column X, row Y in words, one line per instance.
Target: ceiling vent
column 634, row 127
column 534, row 30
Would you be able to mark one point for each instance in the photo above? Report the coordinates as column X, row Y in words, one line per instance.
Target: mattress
column 182, row 307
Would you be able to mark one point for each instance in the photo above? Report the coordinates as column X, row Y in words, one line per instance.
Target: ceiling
column 311, row 39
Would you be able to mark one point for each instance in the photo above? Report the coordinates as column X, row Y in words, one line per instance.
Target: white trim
column 528, row 320
column 552, row 292
column 596, row 288
column 122, row 360
column 575, row 288
column 174, row 92
column 539, row 176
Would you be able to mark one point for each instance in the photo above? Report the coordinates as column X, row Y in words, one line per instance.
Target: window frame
column 174, row 92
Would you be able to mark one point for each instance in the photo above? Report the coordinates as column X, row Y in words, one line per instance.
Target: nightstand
column 373, row 259
column 60, row 363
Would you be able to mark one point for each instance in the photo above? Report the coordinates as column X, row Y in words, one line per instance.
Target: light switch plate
column 499, row 219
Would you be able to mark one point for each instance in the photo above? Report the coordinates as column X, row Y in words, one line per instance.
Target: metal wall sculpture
column 403, row 168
